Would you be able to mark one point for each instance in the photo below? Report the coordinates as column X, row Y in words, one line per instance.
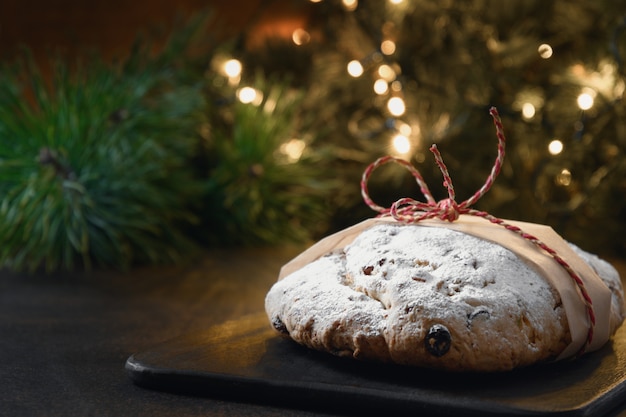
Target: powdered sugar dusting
column 395, row 283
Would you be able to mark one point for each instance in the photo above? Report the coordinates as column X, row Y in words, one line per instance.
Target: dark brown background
column 73, row 27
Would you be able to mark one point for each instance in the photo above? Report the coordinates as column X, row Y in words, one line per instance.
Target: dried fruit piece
column 279, row 325
column 438, row 340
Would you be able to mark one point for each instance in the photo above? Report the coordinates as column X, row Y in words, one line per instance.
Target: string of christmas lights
column 431, row 68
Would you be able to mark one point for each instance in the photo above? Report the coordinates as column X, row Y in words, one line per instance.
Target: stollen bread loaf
column 431, row 297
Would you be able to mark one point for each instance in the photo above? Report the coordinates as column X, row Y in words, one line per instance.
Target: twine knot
column 448, row 210
column 408, row 210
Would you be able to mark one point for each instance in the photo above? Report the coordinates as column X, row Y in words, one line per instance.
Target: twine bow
column 408, row 210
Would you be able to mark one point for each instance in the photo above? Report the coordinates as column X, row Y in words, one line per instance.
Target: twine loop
column 408, row 210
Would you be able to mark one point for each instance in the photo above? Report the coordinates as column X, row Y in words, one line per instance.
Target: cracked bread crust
column 424, row 296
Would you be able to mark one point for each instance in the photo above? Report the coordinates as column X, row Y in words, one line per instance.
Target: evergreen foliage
column 94, row 165
column 113, row 165
column 451, row 61
column 263, row 177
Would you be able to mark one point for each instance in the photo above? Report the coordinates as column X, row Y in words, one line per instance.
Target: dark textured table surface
column 64, row 338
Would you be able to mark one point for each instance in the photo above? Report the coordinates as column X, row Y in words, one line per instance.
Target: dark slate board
column 245, row 360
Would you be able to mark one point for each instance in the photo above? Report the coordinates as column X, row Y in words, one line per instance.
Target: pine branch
column 94, row 167
column 256, row 193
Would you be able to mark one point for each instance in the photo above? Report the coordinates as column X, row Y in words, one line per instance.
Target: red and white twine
column 408, row 210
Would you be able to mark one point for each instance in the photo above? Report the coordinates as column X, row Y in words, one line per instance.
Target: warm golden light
column 355, row 68
column 396, row 106
column 395, row 1
column 585, row 101
column 564, row 178
column 555, row 147
column 380, row 86
column 300, row 37
column 386, row 72
column 528, row 110
column 350, row 5
column 404, row 129
column 249, row 95
column 293, row 149
column 232, row 68
column 545, row 51
column 388, row 47
column 401, row 144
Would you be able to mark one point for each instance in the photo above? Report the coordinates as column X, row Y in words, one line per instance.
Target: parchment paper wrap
column 543, row 263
